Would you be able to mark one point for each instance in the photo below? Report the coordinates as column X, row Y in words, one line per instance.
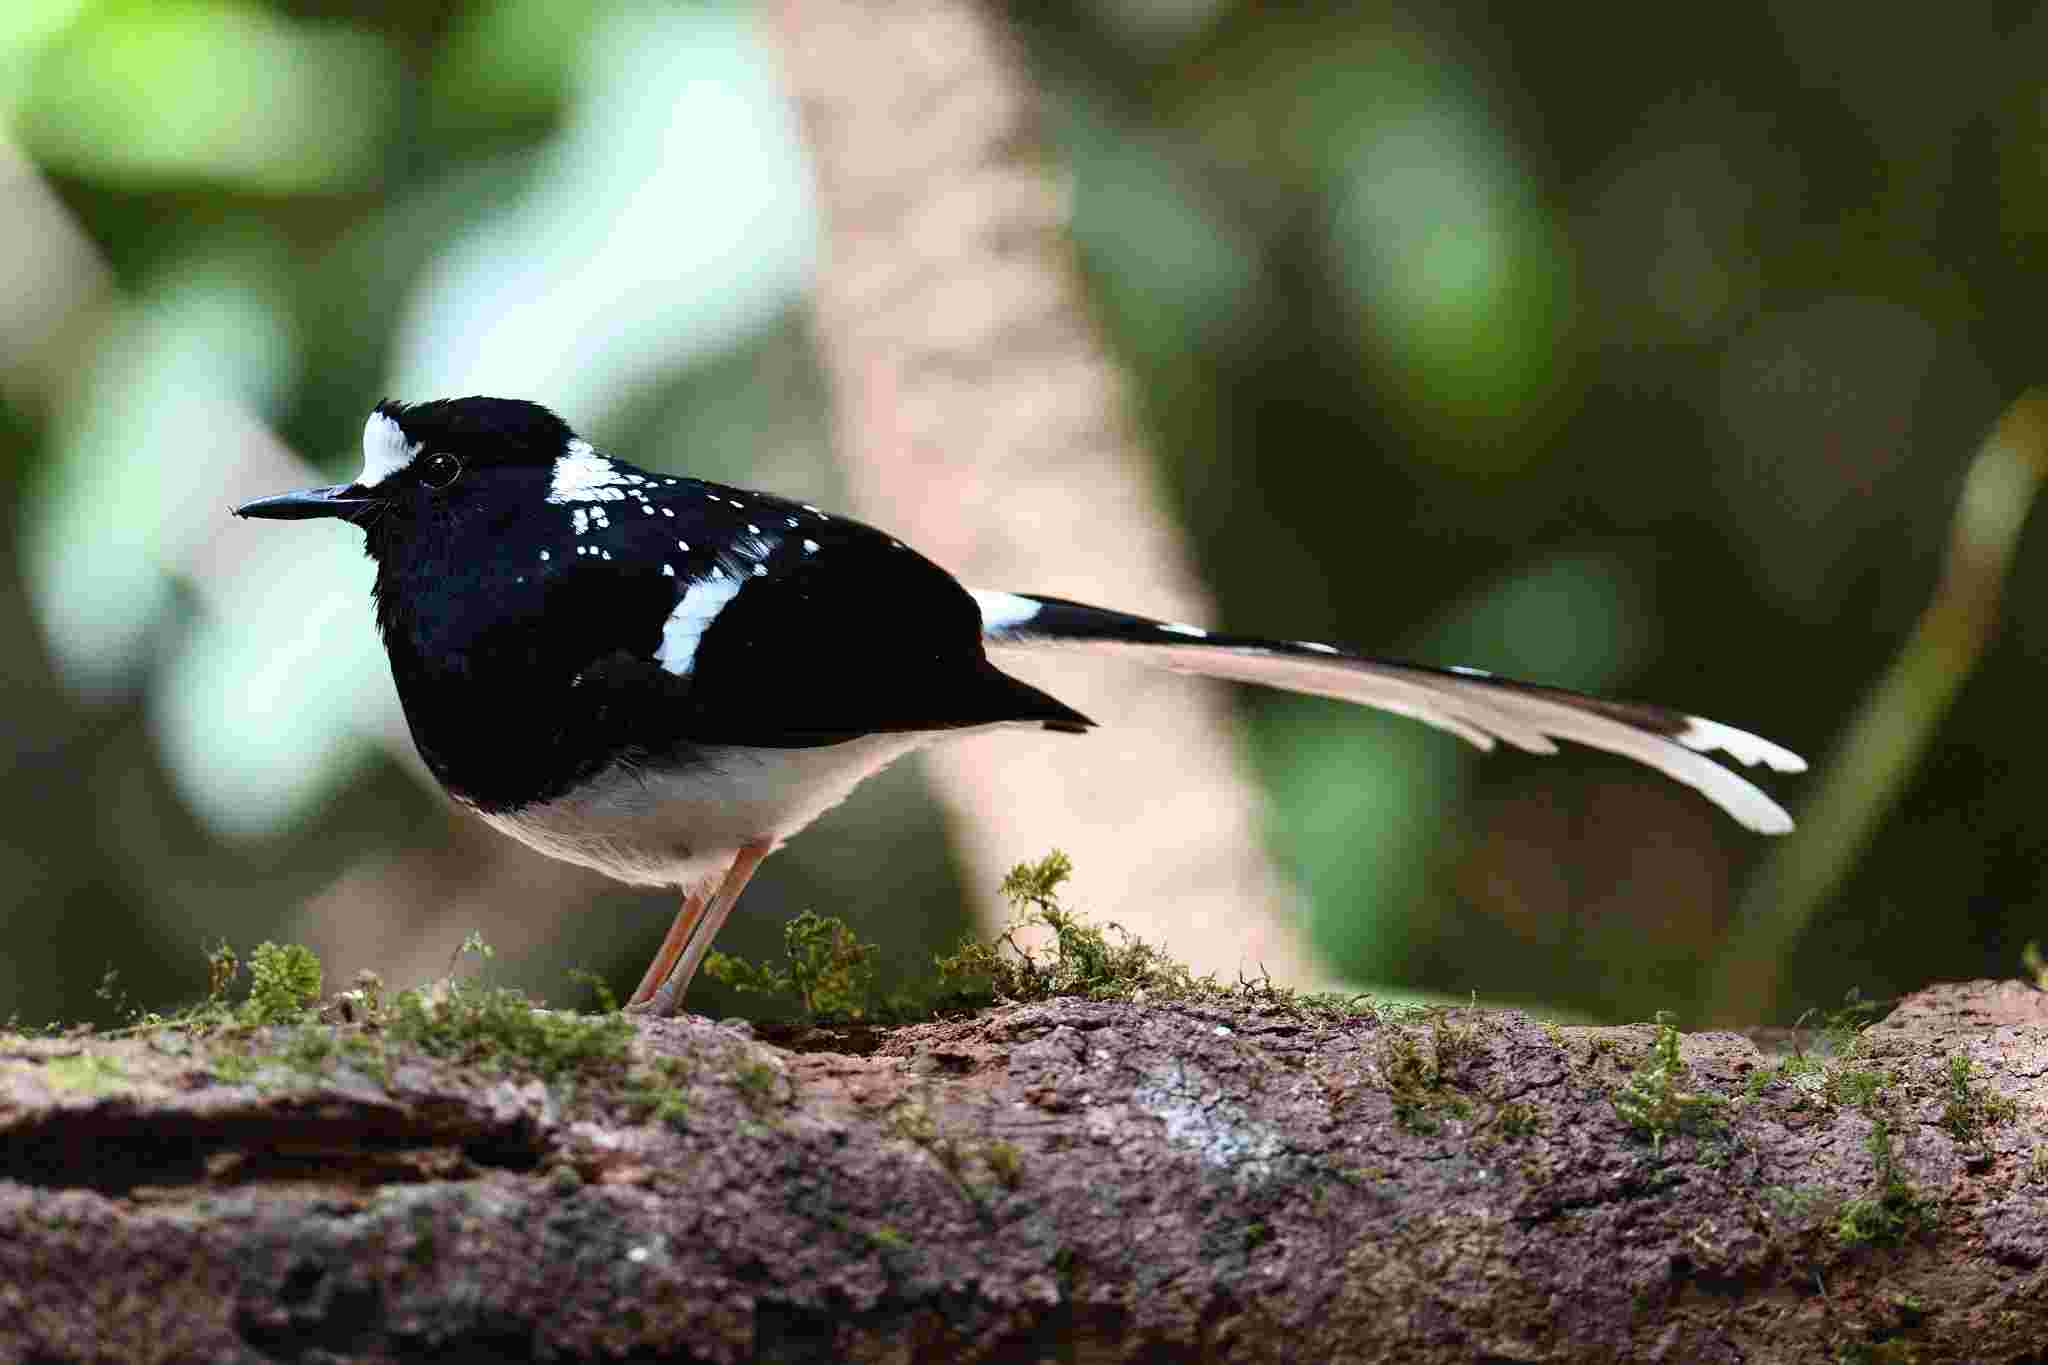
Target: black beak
column 343, row 500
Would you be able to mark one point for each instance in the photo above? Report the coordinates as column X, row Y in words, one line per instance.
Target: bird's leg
column 694, row 901
column 668, row 997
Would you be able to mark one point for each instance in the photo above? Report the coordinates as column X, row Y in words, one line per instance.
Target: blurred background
column 1637, row 350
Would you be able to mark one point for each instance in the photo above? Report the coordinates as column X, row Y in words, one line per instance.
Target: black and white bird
column 664, row 678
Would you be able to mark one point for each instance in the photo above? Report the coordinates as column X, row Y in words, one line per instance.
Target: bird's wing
column 1475, row 706
column 791, row 627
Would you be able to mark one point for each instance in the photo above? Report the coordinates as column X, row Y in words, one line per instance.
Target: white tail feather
column 1472, row 706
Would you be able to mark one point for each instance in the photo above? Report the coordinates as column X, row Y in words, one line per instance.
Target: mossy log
column 1229, row 1180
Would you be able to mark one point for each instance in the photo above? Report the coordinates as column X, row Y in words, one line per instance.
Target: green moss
column 887, row 1238
column 827, row 973
column 1893, row 1209
column 88, row 1072
column 1971, row 1109
column 826, row 969
column 1518, row 1120
column 761, row 1083
column 1656, row 1103
column 1420, row 1078
column 1005, row 1162
column 658, row 1091
column 311, row 1049
column 233, row 1067
column 494, row 1026
column 284, row 984
column 1101, row 963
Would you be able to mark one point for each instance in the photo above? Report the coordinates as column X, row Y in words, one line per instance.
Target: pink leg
column 668, row 997
column 678, row 934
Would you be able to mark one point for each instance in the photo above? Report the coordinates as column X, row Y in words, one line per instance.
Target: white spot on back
column 686, row 625
column 752, row 529
column 580, row 520
column 668, row 571
column 1318, row 648
column 385, row 450
column 1176, row 628
column 583, row 475
column 810, row 547
column 543, row 554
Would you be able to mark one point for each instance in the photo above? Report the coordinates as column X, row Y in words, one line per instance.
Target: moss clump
column 1515, row 1120
column 659, row 1091
column 1098, row 962
column 88, row 1072
column 1893, row 1209
column 1971, row 1109
column 1656, row 1103
column 826, row 969
column 1004, row 1161
column 1420, row 1080
column 1045, row 951
column 284, row 984
column 494, row 1026
column 761, row 1083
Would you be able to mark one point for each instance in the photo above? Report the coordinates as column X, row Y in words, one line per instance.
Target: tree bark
column 1237, row 1180
column 981, row 419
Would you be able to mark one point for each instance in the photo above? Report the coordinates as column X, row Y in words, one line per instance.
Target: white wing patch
column 583, row 475
column 385, row 450
column 1002, row 612
column 686, row 625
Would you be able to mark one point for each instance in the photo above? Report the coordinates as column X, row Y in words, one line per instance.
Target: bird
column 665, row 678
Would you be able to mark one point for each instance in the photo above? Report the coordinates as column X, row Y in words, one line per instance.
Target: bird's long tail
column 1475, row 706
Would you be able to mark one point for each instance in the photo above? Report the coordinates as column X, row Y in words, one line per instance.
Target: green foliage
column 1004, row 1161
column 495, row 1026
column 87, row 1072
column 1656, row 1103
column 1081, row 959
column 284, row 984
column 827, row 972
column 826, row 969
column 1971, row 1109
column 659, row 1091
column 1893, row 1208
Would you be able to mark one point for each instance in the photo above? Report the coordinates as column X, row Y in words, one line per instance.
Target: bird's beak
column 343, row 500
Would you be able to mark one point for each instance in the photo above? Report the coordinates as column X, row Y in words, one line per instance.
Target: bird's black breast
column 543, row 630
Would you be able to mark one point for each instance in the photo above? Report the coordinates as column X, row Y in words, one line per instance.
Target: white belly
column 656, row 828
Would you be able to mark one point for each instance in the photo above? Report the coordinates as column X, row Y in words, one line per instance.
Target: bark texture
column 1065, row 1180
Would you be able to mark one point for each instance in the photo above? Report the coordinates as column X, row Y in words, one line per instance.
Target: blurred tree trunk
column 982, row 420
column 1238, row 1180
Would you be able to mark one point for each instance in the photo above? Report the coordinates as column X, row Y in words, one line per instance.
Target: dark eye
column 440, row 470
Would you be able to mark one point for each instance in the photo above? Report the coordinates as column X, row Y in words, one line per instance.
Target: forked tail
column 1473, row 705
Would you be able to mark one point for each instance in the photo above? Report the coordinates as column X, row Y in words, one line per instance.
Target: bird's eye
column 440, row 470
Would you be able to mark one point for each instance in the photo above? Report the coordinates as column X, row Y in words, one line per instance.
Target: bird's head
column 421, row 460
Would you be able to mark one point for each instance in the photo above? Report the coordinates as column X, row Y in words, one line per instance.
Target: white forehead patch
column 385, row 450
column 583, row 475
